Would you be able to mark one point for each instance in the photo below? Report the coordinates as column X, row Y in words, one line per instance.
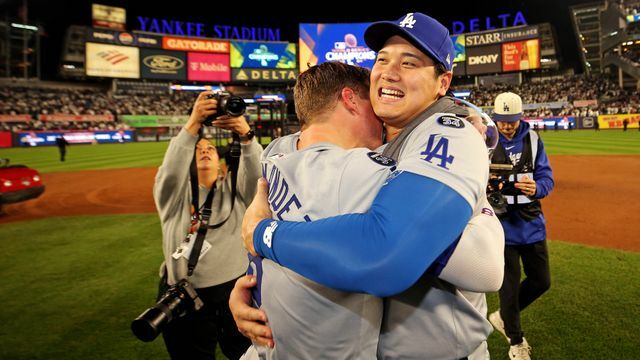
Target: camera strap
column 205, row 215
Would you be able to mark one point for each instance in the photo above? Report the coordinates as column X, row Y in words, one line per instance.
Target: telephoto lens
column 177, row 301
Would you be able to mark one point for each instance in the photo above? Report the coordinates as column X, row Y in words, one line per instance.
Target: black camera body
column 177, row 301
column 499, row 185
column 228, row 104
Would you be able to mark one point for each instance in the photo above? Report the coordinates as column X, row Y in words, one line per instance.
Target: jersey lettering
column 279, row 192
column 439, row 152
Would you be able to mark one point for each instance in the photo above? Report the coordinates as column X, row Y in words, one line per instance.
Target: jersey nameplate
column 451, row 121
column 381, row 159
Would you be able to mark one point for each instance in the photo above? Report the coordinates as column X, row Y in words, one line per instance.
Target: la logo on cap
column 506, row 107
column 408, row 21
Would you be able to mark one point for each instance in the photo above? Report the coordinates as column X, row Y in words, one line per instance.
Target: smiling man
column 418, row 215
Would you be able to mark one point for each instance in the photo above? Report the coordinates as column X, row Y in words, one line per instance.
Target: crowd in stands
column 603, row 96
column 36, row 101
column 37, row 125
column 611, row 98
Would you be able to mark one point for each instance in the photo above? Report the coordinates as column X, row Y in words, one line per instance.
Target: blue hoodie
column 517, row 230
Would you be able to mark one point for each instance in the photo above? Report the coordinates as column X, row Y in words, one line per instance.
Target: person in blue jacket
column 523, row 222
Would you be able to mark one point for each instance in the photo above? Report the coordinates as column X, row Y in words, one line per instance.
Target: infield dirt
column 596, row 200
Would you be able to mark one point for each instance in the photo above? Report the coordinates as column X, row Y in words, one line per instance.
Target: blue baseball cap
column 423, row 31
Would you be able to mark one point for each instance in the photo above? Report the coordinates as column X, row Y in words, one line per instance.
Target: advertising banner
column 149, row 121
column 208, row 67
column 552, row 123
column 587, row 122
column 484, row 59
column 172, row 120
column 500, row 36
column 520, row 33
column 521, row 55
column 6, row 139
column 585, row 103
column 15, row 118
column 123, row 38
column 161, row 64
column 139, row 120
column 68, row 117
column 458, row 46
column 550, row 105
column 319, row 43
column 249, row 54
column 617, row 121
column 108, row 16
column 191, row 44
column 146, row 134
column 264, row 75
column 112, row 61
column 33, row 138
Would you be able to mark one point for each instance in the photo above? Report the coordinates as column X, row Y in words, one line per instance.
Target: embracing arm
column 477, row 263
column 413, row 219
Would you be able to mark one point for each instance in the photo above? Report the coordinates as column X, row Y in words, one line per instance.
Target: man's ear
column 348, row 98
column 445, row 82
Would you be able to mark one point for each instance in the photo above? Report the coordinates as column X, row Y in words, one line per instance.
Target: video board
column 320, row 43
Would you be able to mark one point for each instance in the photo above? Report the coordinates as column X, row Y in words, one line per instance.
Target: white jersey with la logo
column 449, row 150
column 308, row 320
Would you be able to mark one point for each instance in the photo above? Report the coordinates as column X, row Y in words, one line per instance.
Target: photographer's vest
column 528, row 208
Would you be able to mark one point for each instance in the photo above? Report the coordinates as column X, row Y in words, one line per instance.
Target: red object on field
column 18, row 183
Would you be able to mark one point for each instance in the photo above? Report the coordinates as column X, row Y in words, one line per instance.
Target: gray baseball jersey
column 425, row 322
column 308, row 320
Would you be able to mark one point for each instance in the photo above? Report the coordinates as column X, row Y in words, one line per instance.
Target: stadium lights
column 462, row 94
column 195, row 87
column 23, row 26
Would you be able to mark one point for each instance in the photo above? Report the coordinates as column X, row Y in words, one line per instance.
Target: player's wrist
column 263, row 238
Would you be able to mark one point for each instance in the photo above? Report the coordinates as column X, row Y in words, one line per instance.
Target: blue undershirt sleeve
column 412, row 220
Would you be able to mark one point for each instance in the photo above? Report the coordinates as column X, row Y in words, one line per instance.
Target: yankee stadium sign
column 187, row 28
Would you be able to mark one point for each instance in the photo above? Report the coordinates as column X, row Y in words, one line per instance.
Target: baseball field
column 80, row 262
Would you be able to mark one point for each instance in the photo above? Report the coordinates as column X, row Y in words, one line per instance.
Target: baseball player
column 417, row 215
column 293, row 302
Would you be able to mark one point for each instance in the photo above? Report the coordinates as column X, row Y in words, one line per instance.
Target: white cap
column 507, row 107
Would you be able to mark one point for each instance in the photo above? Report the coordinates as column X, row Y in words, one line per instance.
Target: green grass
column 89, row 157
column 591, row 310
column 111, row 156
column 590, row 142
column 71, row 291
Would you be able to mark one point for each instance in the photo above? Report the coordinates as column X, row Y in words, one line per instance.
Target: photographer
column 523, row 221
column 222, row 258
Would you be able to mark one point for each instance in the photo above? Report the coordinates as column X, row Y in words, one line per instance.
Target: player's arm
column 477, row 261
column 413, row 219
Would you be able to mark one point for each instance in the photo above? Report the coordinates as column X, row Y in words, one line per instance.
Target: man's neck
column 324, row 132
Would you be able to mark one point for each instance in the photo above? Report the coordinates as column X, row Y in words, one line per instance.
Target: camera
column 228, row 104
column 177, row 301
column 499, row 185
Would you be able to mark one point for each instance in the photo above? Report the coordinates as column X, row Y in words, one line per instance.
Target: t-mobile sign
column 209, row 67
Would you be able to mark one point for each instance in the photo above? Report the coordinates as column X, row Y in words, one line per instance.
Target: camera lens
column 148, row 325
column 234, row 106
